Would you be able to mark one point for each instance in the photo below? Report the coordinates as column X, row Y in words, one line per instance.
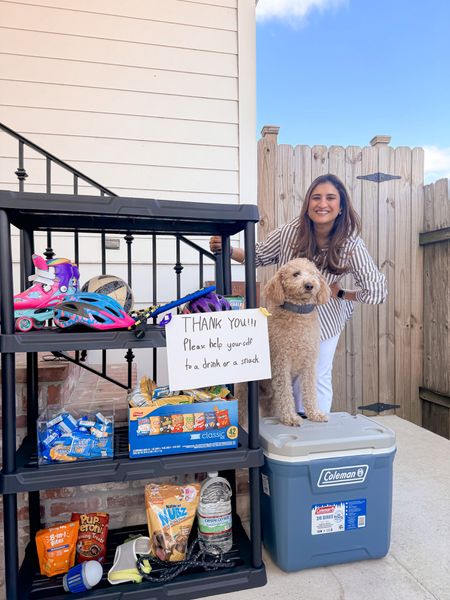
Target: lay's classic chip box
column 184, row 427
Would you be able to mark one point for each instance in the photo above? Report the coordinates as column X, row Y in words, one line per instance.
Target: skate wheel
column 39, row 324
column 24, row 324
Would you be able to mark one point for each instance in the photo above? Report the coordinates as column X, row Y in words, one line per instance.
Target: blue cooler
column 326, row 491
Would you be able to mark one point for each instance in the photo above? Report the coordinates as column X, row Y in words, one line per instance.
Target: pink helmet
column 92, row 310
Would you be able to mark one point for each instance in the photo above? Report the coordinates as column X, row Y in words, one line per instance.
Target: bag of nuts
column 170, row 513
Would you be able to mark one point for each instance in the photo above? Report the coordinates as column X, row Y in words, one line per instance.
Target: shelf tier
column 48, row 340
column 191, row 584
column 67, row 212
column 29, row 476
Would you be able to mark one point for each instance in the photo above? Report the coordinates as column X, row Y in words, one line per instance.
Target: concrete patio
column 417, row 566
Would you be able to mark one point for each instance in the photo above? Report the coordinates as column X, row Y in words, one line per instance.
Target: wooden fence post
column 267, row 174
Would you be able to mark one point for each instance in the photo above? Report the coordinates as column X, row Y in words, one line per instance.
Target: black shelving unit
column 31, row 212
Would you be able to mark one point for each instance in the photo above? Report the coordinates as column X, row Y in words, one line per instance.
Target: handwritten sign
column 219, row 347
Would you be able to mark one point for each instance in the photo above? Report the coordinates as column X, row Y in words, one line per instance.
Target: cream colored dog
column 294, row 337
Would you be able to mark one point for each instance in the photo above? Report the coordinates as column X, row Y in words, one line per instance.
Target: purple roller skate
column 52, row 281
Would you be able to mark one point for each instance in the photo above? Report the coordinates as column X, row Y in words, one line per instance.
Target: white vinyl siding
column 150, row 99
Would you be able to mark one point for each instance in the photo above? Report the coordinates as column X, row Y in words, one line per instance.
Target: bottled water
column 214, row 515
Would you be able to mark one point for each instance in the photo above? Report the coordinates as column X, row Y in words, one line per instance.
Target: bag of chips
column 92, row 534
column 170, row 513
column 56, row 548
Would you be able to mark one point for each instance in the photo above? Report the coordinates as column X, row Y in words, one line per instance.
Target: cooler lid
column 342, row 432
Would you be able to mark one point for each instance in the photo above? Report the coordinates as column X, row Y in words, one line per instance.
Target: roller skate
column 52, row 281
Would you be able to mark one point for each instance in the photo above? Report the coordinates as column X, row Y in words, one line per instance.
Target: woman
column 327, row 231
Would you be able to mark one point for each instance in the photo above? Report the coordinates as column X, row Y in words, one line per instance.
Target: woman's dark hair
column 346, row 224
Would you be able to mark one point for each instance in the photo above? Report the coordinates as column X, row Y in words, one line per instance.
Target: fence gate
column 379, row 357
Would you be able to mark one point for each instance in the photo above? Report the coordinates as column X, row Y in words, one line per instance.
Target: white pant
column 324, row 377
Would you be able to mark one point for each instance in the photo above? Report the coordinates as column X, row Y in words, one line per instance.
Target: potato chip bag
column 180, row 399
column 155, row 425
column 166, row 424
column 177, row 423
column 56, row 548
column 199, row 421
column 223, row 419
column 170, row 513
column 188, row 422
column 147, row 386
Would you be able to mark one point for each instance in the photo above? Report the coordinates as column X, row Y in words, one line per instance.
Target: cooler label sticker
column 265, row 484
column 335, row 517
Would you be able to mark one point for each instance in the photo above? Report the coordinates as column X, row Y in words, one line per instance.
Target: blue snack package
column 54, row 421
column 81, row 446
column 102, row 448
column 102, row 419
column 98, row 432
column 210, row 420
column 85, row 422
column 50, row 438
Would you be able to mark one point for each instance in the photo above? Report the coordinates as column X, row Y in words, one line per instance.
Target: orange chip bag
column 56, row 548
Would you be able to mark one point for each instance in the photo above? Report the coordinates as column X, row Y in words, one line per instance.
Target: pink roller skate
column 52, row 281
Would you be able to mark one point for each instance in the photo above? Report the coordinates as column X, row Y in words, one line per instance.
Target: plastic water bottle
column 214, row 515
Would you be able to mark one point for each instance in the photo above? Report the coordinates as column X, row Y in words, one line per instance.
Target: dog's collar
column 302, row 309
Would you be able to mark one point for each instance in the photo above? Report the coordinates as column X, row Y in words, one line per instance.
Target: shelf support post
column 253, row 411
column 8, row 407
column 226, row 265
column 34, row 500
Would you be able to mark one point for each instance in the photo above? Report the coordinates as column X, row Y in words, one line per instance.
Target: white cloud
column 292, row 10
column 437, row 163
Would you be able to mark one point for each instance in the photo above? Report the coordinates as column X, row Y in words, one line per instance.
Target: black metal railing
column 51, row 161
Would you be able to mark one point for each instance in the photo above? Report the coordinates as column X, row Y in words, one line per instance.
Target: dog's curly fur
column 294, row 342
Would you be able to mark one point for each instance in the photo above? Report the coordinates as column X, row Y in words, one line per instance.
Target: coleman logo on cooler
column 343, row 475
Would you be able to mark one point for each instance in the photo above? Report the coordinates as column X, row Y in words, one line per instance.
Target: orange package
column 56, row 548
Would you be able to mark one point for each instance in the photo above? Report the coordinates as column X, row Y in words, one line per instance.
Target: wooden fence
column 435, row 240
column 379, row 357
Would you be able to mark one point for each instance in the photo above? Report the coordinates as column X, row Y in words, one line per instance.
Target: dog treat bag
column 92, row 533
column 56, row 548
column 170, row 513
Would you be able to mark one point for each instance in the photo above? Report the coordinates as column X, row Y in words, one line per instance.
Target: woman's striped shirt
column 279, row 248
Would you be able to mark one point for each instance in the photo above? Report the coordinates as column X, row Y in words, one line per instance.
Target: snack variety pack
column 165, row 422
column 64, row 437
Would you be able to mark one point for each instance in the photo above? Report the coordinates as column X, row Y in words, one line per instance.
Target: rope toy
column 195, row 557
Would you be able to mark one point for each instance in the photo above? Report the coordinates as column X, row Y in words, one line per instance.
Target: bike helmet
column 209, row 303
column 95, row 311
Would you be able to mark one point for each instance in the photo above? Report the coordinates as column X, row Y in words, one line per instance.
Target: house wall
column 151, row 99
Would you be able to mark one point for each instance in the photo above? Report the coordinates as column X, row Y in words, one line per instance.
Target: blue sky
column 341, row 71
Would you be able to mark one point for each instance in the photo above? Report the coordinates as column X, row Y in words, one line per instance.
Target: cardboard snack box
column 179, row 428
